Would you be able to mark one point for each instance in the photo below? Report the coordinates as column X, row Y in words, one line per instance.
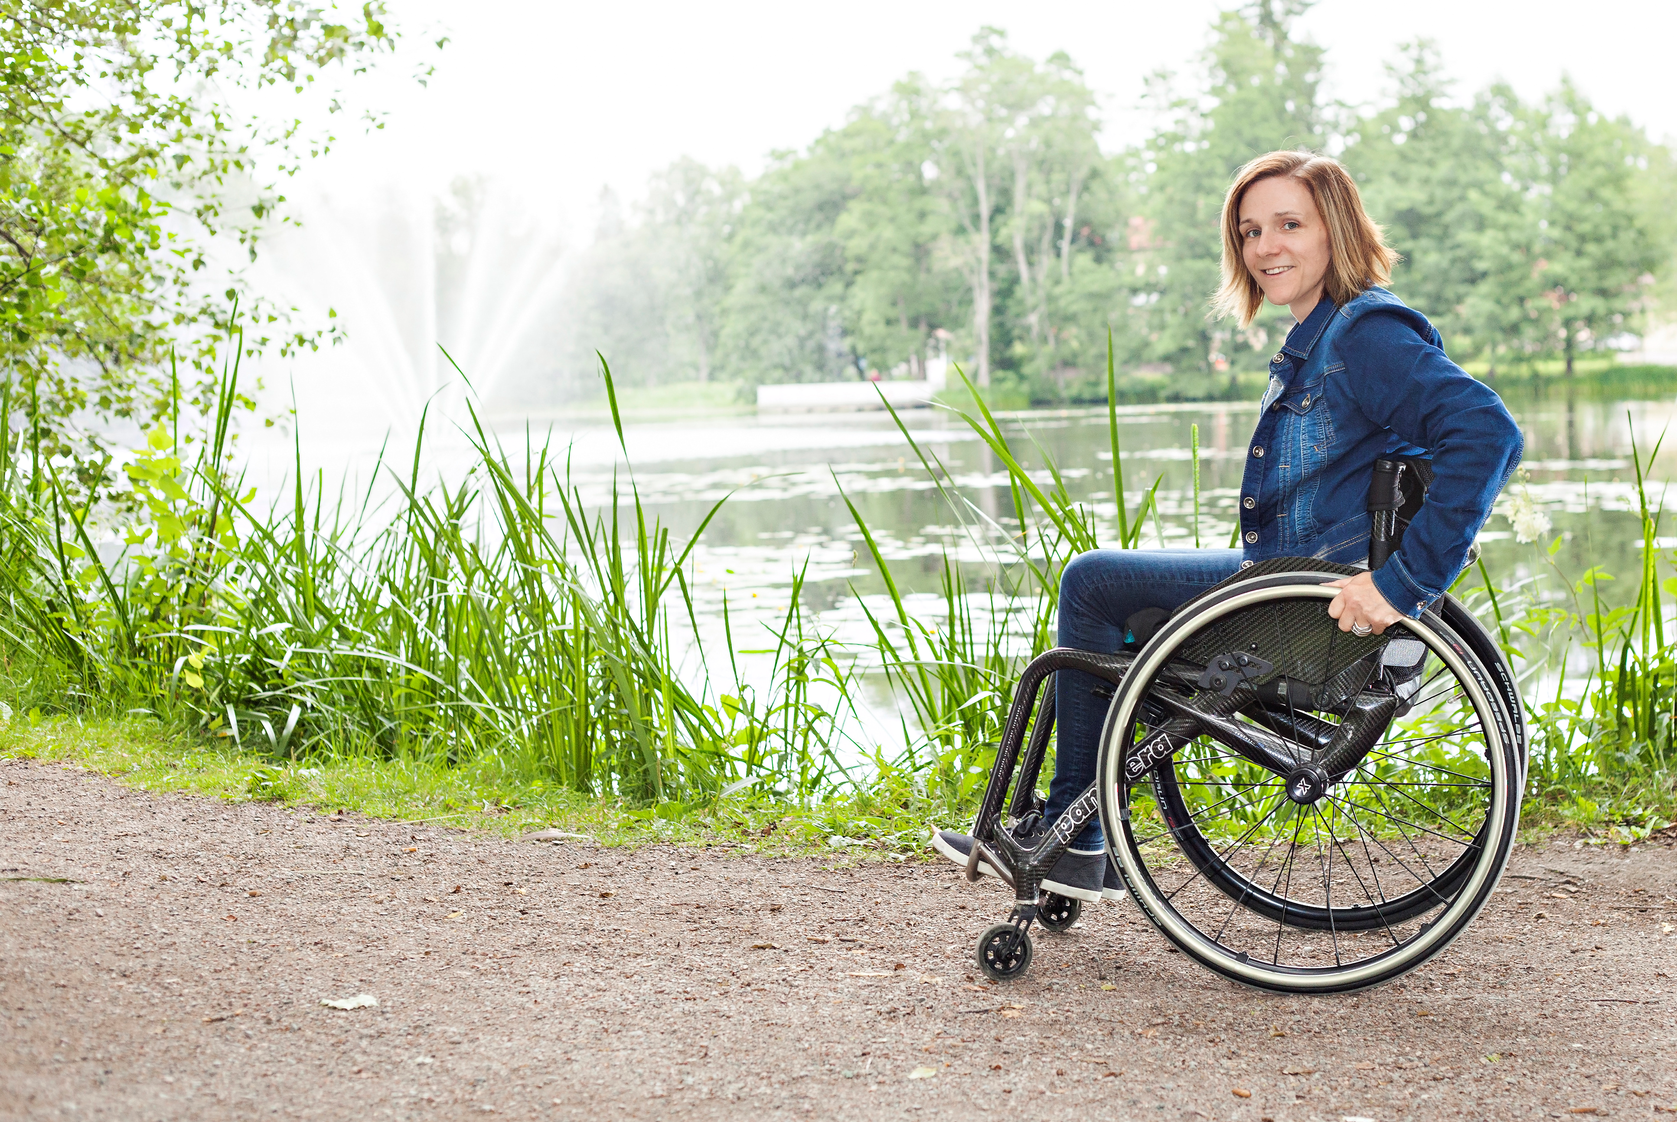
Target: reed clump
column 495, row 616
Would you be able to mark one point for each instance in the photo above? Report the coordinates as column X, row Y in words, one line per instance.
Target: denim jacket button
column 1248, row 502
column 1251, row 537
column 1258, row 451
column 1279, row 357
column 1246, row 564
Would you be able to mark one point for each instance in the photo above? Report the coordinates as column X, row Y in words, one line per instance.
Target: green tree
column 1427, row 170
column 782, row 317
column 691, row 211
column 1262, row 94
column 121, row 166
column 899, row 289
column 1567, row 246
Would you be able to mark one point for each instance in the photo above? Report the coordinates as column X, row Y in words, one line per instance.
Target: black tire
column 1005, row 952
column 1410, row 879
column 1057, row 913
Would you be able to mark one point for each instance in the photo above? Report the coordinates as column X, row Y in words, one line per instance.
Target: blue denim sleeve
column 1407, row 384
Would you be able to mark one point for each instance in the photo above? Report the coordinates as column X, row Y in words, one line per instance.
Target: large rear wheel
column 1301, row 809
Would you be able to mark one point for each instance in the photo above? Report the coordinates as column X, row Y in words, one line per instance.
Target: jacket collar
column 1303, row 336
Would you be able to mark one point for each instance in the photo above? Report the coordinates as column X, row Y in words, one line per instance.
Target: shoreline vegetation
column 1136, row 389
column 489, row 652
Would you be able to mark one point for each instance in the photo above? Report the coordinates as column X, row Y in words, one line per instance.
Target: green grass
column 479, row 797
column 674, row 399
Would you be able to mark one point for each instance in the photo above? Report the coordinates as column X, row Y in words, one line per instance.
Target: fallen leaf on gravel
column 1583, row 1110
column 458, row 888
column 1240, row 1092
column 455, row 915
column 1108, row 986
column 922, row 1073
column 554, row 835
column 1275, row 1030
column 1298, row 1071
column 359, row 1001
column 1423, row 1012
column 253, row 892
column 411, row 849
column 608, row 894
column 1109, row 1075
column 764, row 947
column 232, row 918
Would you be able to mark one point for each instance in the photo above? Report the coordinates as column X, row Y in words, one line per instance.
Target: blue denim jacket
column 1353, row 384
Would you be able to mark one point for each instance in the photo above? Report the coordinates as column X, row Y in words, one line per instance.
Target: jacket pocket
column 1345, row 542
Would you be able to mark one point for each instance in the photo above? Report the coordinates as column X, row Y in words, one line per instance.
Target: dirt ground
column 166, row 958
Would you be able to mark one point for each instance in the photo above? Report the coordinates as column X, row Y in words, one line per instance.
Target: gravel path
column 177, row 972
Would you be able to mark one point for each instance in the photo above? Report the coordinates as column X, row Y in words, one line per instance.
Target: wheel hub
column 1306, row 785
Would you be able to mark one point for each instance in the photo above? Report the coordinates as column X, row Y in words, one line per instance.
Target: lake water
column 784, row 511
column 782, row 478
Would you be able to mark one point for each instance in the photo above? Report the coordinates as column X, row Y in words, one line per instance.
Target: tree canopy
column 984, row 210
column 131, row 186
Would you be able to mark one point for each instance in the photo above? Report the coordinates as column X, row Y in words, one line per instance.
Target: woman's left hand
column 1359, row 603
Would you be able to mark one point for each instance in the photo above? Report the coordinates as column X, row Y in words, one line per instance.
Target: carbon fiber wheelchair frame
column 1252, row 754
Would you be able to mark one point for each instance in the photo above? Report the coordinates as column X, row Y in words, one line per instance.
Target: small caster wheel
column 1004, row 952
column 1057, row 913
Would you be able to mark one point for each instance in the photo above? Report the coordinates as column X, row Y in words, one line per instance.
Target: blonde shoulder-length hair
column 1358, row 253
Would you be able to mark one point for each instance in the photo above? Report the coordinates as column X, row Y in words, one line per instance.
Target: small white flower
column 1529, row 522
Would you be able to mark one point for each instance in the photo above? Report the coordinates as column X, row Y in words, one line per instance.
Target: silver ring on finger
column 1361, row 630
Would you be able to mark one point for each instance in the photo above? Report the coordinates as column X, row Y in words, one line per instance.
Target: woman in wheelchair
column 1361, row 378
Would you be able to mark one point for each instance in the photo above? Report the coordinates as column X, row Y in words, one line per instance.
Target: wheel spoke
column 1426, row 882
column 1286, row 893
column 1442, row 818
column 1327, row 886
column 1250, row 830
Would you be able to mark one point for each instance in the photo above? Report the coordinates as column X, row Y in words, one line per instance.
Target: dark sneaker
column 1077, row 874
column 957, row 848
column 1112, row 883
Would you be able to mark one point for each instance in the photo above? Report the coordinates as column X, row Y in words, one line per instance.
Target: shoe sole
column 949, row 852
column 1087, row 895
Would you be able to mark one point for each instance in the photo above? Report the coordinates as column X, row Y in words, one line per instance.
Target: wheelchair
column 1300, row 809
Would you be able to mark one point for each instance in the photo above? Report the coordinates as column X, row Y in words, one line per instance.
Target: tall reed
column 492, row 616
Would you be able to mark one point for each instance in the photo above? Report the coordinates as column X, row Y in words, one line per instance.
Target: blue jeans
column 1099, row 591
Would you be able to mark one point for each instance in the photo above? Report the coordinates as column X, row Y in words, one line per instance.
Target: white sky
column 557, row 100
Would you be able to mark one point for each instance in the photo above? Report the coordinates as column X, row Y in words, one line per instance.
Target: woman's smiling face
column 1284, row 242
